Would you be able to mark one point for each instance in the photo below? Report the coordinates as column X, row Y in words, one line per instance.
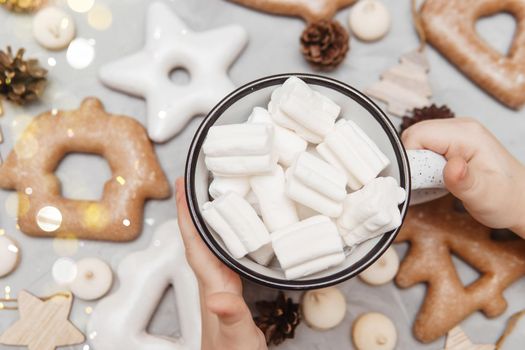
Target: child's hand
column 226, row 320
column 479, row 171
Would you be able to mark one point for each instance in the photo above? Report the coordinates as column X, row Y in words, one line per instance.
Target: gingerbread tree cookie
column 29, row 169
column 436, row 231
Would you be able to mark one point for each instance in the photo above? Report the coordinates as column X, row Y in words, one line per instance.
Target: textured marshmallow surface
column 316, row 184
column 277, row 210
column 371, row 211
column 222, row 185
column 307, row 247
column 287, row 143
column 239, row 149
column 348, row 148
column 237, row 223
column 296, row 106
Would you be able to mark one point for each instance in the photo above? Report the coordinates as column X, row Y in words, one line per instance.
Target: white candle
column 53, row 28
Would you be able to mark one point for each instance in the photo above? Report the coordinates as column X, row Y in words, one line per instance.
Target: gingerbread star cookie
column 436, row 230
column 137, row 175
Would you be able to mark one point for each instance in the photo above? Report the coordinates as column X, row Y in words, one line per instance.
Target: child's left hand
column 226, row 320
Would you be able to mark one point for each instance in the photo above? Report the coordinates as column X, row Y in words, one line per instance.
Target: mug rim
column 280, row 283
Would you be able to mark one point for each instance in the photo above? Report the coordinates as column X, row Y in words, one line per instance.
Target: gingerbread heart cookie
column 450, row 27
column 29, row 169
column 436, row 230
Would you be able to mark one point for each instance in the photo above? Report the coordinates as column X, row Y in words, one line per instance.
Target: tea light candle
column 53, row 28
column 369, row 20
column 9, row 255
column 93, row 280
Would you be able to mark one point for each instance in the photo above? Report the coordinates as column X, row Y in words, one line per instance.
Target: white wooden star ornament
column 458, row 340
column 170, row 44
column 43, row 324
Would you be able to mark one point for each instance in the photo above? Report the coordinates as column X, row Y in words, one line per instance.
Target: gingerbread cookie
column 309, row 10
column 435, row 230
column 450, row 27
column 137, row 175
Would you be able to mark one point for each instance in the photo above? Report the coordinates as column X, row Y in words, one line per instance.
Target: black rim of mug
column 304, row 284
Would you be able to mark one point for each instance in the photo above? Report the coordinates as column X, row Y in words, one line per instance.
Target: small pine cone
column 325, row 44
column 21, row 80
column 425, row 113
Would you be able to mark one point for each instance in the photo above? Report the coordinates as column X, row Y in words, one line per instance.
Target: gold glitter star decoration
column 43, row 324
column 458, row 340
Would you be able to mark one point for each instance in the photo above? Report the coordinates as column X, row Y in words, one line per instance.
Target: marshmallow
column 221, row 185
column 316, row 184
column 295, row 106
column 348, row 148
column 287, row 143
column 308, row 246
column 263, row 255
column 239, row 149
column 251, row 198
column 277, row 210
column 236, row 222
column 371, row 211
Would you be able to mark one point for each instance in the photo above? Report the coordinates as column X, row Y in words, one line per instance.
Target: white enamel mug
column 420, row 171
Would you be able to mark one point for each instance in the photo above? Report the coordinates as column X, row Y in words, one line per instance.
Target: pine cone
column 21, row 81
column 426, row 113
column 21, row 5
column 325, row 44
column 277, row 319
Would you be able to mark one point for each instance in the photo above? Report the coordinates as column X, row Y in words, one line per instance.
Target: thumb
column 236, row 325
column 230, row 308
column 459, row 180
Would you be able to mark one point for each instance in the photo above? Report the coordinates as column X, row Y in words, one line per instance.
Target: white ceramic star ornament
column 170, row 45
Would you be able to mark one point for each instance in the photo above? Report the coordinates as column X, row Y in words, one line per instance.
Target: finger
column 459, row 180
column 443, row 136
column 190, row 236
column 433, row 135
column 197, row 253
column 234, row 316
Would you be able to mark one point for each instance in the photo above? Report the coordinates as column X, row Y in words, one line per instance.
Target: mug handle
column 426, row 169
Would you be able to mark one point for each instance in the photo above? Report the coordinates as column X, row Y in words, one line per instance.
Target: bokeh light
column 19, row 124
column 100, row 17
column 49, row 218
column 26, row 147
column 80, row 5
column 66, row 244
column 64, row 271
column 11, row 205
column 80, row 53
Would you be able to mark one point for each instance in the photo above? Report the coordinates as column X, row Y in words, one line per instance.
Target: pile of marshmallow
column 296, row 183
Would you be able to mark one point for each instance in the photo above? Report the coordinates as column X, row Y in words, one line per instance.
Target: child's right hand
column 480, row 171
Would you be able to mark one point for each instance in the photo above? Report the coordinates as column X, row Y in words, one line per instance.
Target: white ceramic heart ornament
column 426, row 169
column 169, row 45
column 120, row 320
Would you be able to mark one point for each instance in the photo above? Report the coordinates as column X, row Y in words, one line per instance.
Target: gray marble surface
column 273, row 48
